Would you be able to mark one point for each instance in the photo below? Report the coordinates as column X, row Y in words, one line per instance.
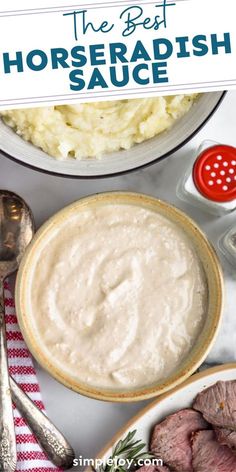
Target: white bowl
column 140, row 155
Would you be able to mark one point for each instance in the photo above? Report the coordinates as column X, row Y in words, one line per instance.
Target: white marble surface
column 88, row 423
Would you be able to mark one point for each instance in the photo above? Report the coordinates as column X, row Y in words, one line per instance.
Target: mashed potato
column 92, row 129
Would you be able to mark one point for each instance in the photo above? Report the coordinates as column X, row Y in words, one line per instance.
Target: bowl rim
column 204, row 374
column 127, row 171
column 217, row 293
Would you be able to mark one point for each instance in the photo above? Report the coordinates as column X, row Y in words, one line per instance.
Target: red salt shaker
column 210, row 182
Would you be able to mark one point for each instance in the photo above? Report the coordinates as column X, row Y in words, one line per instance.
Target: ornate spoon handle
column 7, row 431
column 52, row 441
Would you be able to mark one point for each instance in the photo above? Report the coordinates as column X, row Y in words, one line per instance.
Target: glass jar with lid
column 227, row 245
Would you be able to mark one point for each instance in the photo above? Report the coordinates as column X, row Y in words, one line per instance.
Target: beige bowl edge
column 216, row 297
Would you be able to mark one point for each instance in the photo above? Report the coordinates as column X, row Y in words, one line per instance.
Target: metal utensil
column 52, row 441
column 16, row 232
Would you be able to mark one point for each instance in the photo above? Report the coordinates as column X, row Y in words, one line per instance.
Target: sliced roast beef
column 162, row 469
column 209, row 455
column 218, row 404
column 226, row 438
column 171, row 439
column 153, row 468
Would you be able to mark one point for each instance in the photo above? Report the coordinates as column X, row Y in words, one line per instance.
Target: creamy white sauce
column 118, row 296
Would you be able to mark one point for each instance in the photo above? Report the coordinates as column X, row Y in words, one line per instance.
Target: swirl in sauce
column 118, row 296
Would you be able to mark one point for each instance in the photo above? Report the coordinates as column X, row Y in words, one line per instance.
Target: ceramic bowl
column 214, row 282
column 143, row 154
column 179, row 398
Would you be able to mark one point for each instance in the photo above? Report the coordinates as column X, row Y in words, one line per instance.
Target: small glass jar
column 227, row 245
column 210, row 181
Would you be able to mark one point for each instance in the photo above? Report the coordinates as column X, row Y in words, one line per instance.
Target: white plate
column 140, row 155
column 181, row 397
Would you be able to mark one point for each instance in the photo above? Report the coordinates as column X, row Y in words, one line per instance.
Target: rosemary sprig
column 127, row 449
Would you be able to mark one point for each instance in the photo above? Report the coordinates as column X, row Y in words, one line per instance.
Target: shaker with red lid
column 210, row 182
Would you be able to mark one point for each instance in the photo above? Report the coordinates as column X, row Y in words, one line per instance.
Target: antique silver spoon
column 16, row 232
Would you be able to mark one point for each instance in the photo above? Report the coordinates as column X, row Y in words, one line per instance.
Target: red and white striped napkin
column 30, row 457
